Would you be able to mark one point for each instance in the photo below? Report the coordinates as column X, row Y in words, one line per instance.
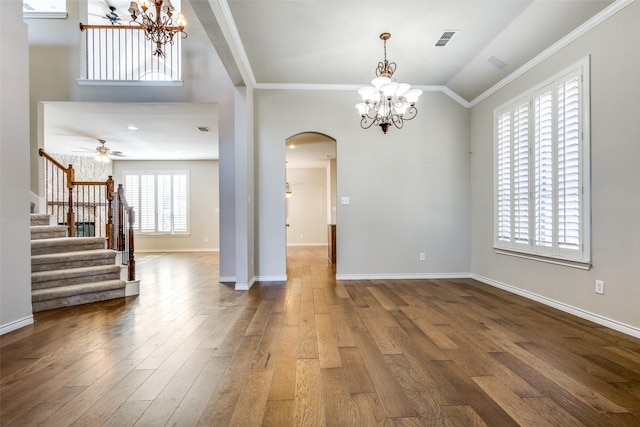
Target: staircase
column 69, row 271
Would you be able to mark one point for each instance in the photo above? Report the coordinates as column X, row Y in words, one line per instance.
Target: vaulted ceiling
column 335, row 43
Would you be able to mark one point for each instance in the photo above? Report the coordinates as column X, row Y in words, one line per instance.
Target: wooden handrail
column 42, row 153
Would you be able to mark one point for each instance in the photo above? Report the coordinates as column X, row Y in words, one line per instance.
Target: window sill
column 162, row 235
column 582, row 265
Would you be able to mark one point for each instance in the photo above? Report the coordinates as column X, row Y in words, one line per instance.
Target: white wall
column 54, row 53
column 615, row 170
column 15, row 246
column 409, row 189
column 203, row 210
column 307, row 208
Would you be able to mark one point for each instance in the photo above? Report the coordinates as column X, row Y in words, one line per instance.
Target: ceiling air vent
column 445, row 38
column 204, row 129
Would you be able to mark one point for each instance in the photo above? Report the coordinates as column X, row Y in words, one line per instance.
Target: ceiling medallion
column 387, row 102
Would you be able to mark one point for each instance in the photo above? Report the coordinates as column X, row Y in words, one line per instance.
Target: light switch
column 345, row 200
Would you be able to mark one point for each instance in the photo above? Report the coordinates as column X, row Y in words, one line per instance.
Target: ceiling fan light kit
column 387, row 102
column 159, row 28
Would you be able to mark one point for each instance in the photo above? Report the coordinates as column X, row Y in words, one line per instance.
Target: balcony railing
column 123, row 53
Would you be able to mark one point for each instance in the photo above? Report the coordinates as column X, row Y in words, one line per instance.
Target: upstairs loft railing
column 123, row 53
column 90, row 209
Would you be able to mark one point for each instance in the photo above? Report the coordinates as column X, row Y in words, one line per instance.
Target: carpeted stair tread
column 73, row 276
column 39, row 232
column 78, row 289
column 67, row 260
column 66, row 244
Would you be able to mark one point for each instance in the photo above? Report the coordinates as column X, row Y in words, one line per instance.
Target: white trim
column 351, row 87
column 89, row 82
column 132, row 288
column 595, row 318
column 16, row 324
column 596, row 20
column 237, row 47
column 245, row 286
column 557, row 261
column 262, row 279
column 227, row 279
column 401, row 276
column 138, row 251
column 44, row 15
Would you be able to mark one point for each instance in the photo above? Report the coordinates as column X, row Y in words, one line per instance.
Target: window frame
column 156, row 217
column 570, row 254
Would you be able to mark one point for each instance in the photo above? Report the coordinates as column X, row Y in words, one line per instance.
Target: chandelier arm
column 364, row 121
column 412, row 111
column 397, row 121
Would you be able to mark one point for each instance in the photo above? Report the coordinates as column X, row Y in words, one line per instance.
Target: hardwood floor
column 312, row 352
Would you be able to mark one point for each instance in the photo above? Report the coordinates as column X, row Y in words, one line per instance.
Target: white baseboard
column 168, row 251
column 132, row 288
column 262, row 279
column 245, row 286
column 401, row 276
column 595, row 318
column 227, row 279
column 16, row 324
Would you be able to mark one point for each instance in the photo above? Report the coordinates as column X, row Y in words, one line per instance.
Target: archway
column 311, row 175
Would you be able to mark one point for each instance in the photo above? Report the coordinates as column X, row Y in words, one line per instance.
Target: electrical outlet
column 600, row 287
column 423, row 256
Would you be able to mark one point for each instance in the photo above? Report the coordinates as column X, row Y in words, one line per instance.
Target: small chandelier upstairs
column 159, row 28
column 387, row 102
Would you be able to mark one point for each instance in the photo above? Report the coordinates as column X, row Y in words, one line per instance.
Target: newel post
column 109, row 225
column 71, row 217
column 132, row 261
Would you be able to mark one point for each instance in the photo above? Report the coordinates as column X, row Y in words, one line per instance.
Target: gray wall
column 204, row 206
column 615, row 171
column 408, row 190
column 15, row 246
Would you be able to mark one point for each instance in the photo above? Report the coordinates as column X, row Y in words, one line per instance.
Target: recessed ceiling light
column 292, row 145
column 204, row 129
column 132, row 127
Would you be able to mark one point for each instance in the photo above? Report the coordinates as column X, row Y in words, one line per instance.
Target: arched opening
column 310, row 187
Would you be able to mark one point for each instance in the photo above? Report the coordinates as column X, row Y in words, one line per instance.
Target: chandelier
column 159, row 28
column 387, row 102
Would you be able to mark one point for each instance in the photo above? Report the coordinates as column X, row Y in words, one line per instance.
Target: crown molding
column 596, row 20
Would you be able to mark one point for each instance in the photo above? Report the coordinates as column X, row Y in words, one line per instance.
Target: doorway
column 310, row 205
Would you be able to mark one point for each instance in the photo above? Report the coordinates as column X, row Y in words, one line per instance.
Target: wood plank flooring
column 190, row 351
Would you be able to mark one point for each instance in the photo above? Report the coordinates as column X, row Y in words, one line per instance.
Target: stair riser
column 59, row 278
column 40, row 219
column 65, row 265
column 77, row 300
column 44, row 234
column 64, row 246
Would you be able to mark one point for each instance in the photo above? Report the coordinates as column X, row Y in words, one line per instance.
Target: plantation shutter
column 542, row 171
column 521, row 173
column 504, row 177
column 568, row 161
column 147, row 203
column 543, row 182
column 164, row 203
column 132, row 193
column 180, row 203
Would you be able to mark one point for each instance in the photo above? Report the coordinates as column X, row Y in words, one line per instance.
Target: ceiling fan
column 104, row 10
column 103, row 152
